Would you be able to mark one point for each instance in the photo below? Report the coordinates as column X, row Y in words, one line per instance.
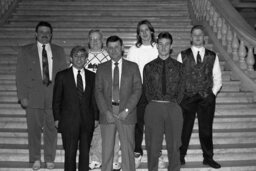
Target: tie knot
column 116, row 63
column 79, row 71
column 43, row 46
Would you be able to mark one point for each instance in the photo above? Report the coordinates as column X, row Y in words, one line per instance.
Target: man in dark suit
column 117, row 92
column 37, row 66
column 75, row 110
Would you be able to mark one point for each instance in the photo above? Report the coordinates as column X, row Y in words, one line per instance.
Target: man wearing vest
column 203, row 81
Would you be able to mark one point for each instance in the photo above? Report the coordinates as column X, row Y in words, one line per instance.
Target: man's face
column 164, row 46
column 95, row 41
column 43, row 34
column 197, row 38
column 145, row 33
column 79, row 59
column 115, row 50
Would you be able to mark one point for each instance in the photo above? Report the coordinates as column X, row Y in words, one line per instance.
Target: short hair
column 95, row 31
column 77, row 49
column 152, row 30
column 164, row 35
column 44, row 23
column 114, row 39
column 197, row 27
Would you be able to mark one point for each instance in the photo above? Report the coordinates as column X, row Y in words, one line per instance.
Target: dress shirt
column 120, row 63
column 49, row 56
column 75, row 72
column 216, row 72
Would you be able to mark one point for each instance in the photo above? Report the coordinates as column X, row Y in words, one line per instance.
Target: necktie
column 115, row 94
column 198, row 58
column 163, row 79
column 46, row 79
column 79, row 85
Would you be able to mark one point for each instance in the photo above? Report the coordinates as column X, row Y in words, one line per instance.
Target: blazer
column 29, row 79
column 129, row 94
column 67, row 108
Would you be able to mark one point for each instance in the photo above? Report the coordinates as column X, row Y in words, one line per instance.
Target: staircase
column 235, row 118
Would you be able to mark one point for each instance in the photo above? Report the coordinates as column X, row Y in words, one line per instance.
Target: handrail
column 234, row 36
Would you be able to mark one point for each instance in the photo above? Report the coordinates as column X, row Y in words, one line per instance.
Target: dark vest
column 198, row 78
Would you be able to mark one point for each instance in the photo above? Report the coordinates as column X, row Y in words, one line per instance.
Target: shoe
column 116, row 166
column 94, row 165
column 50, row 165
column 161, row 162
column 182, row 161
column 36, row 165
column 138, row 158
column 211, row 163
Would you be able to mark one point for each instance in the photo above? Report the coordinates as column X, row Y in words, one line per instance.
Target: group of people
column 102, row 101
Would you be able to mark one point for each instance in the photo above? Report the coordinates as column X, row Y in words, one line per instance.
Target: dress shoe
column 36, row 165
column 94, row 165
column 50, row 165
column 116, row 166
column 138, row 158
column 211, row 163
column 182, row 161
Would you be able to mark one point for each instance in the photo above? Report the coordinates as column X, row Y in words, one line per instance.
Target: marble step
column 246, row 165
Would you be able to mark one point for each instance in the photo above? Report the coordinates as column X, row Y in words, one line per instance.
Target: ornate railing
column 236, row 39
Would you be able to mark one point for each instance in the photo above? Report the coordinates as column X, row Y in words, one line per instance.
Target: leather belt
column 115, row 103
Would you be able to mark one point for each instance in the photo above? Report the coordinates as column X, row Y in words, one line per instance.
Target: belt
column 160, row 101
column 115, row 103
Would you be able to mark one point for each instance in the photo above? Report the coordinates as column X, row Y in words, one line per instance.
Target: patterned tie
column 198, row 58
column 163, row 79
column 115, row 93
column 79, row 85
column 46, row 79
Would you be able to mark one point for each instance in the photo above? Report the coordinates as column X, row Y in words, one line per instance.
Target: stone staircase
column 235, row 118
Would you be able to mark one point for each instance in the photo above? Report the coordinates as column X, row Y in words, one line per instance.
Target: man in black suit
column 75, row 110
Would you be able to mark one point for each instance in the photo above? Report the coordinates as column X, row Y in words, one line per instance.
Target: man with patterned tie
column 117, row 92
column 203, row 81
column 37, row 66
column 75, row 109
column 163, row 86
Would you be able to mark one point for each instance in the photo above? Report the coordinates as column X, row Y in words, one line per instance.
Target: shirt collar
column 41, row 45
column 75, row 70
column 194, row 48
column 119, row 62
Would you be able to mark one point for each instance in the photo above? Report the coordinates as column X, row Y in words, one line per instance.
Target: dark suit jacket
column 129, row 94
column 66, row 103
column 29, row 79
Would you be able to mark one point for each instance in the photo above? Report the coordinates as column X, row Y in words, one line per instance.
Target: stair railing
column 234, row 38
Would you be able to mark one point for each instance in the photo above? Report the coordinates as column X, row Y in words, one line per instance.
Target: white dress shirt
column 216, row 72
column 49, row 57
column 75, row 72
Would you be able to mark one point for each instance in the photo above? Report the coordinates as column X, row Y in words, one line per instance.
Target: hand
column 110, row 117
column 24, row 102
column 96, row 124
column 56, row 124
column 123, row 115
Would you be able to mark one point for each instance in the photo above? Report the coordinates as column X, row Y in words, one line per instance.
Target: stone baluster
column 235, row 46
column 229, row 39
column 208, row 8
column 215, row 19
column 224, row 33
column 219, row 28
column 250, row 59
column 242, row 54
column 211, row 16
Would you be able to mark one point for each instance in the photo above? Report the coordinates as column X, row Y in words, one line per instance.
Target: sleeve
column 181, row 85
column 93, row 101
column 216, row 73
column 147, row 87
column 57, row 96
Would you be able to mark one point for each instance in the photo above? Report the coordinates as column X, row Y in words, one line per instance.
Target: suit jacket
column 129, row 94
column 29, row 79
column 67, row 108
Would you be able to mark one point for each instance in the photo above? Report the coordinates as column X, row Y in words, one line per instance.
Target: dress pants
column 126, row 136
column 139, row 127
column 205, row 108
column 160, row 119
column 38, row 121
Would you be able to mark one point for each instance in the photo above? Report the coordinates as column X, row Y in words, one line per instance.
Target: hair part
column 77, row 49
column 197, row 27
column 114, row 39
column 165, row 35
column 95, row 31
column 45, row 24
column 152, row 30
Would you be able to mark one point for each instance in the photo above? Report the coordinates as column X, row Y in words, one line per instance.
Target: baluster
column 250, row 59
column 208, row 8
column 215, row 19
column 242, row 54
column 229, row 39
column 219, row 26
column 235, row 46
column 224, row 33
column 211, row 16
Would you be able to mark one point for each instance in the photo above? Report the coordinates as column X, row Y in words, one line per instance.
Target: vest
column 198, row 78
